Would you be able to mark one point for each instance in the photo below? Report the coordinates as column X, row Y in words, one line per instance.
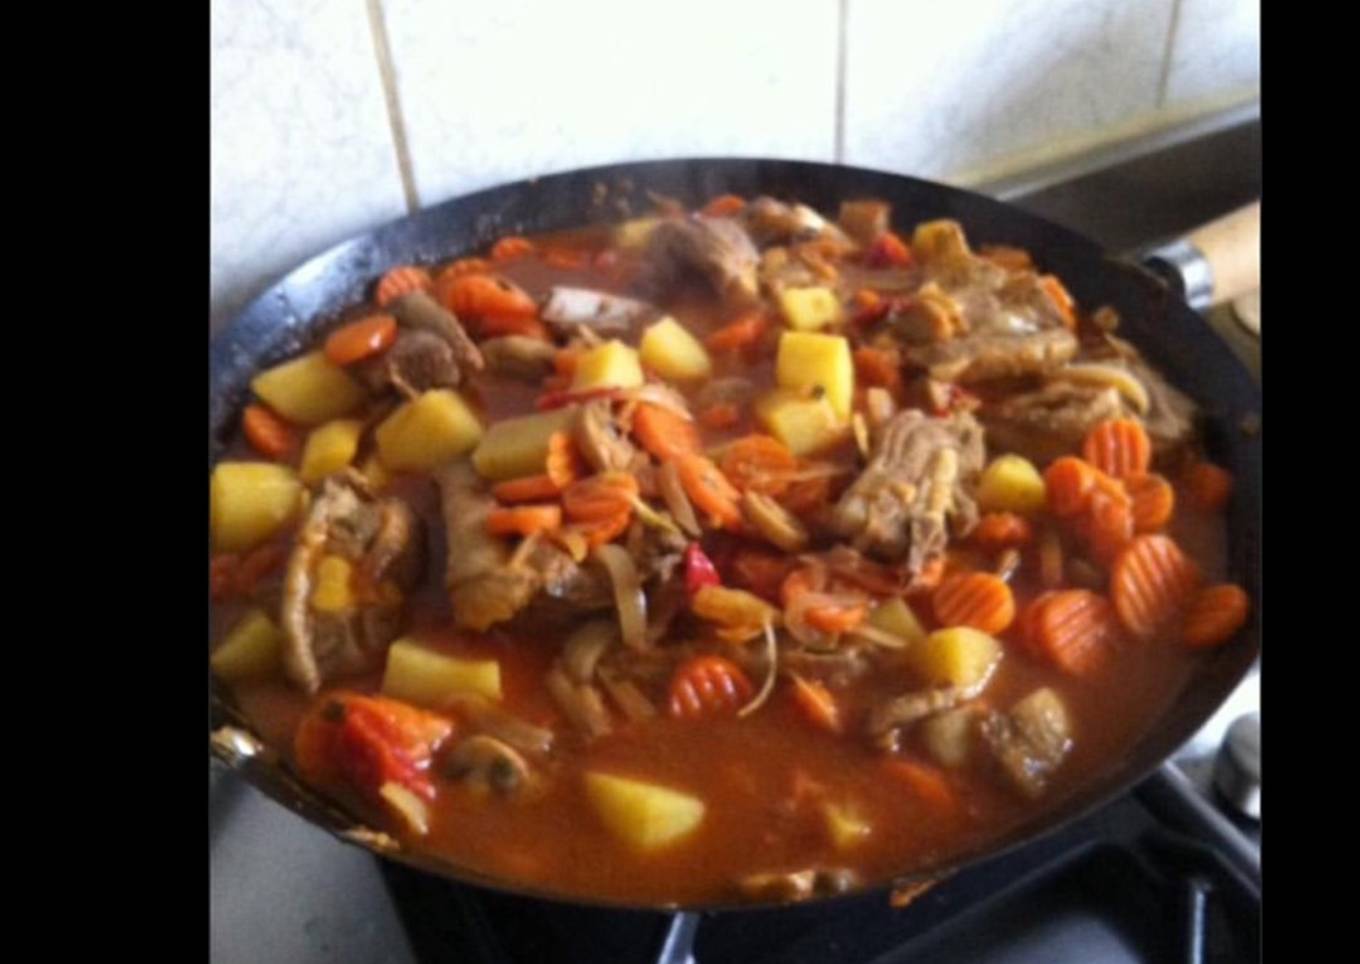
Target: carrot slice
column 720, row 415
column 740, row 334
column 511, row 248
column 1209, row 486
column 361, row 339
column 708, row 686
column 1215, row 615
column 565, row 464
column 401, row 281
column 817, row 704
column 464, row 266
column 1074, row 630
column 889, row 250
column 761, row 572
column 1119, row 447
column 599, row 531
column 477, row 297
column 663, row 433
column 268, row 434
column 978, row 599
column 1108, row 524
column 524, row 520
column 600, row 497
column 709, row 490
column 1062, row 299
column 535, row 488
column 1002, row 530
column 1154, row 501
column 877, row 366
column 723, row 206
column 835, row 618
column 1068, row 482
column 1150, row 582
column 758, row 463
column 927, row 784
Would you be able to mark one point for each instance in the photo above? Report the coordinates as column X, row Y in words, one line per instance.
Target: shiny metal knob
column 1237, row 770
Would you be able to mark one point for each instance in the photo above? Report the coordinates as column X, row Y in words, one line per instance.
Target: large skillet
column 1155, row 317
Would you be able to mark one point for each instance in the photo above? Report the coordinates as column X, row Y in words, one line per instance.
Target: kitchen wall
column 331, row 116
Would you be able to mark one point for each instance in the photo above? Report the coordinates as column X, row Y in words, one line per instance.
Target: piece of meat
column 919, row 480
column 903, row 711
column 1030, row 741
column 420, row 312
column 1171, row 416
column 600, row 439
column 981, row 356
column 382, row 539
column 1051, row 421
column 597, row 310
column 865, row 220
column 769, row 222
column 516, row 356
column 416, row 363
column 715, row 250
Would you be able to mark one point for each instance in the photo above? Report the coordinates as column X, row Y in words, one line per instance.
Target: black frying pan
column 1173, row 337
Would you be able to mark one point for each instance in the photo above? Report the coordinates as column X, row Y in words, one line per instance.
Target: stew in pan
column 735, row 552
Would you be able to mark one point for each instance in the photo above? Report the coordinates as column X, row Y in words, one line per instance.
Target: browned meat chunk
column 773, row 222
column 981, row 356
column 516, row 356
column 1050, row 422
column 864, row 220
column 1171, row 416
column 378, row 543
column 1030, row 741
column 716, row 250
column 419, row 312
column 600, row 439
column 416, row 363
column 918, row 480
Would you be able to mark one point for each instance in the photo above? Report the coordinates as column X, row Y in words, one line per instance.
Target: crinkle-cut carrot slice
column 1215, row 615
column 1119, row 447
column 708, row 686
column 981, row 600
column 401, row 281
column 1151, row 582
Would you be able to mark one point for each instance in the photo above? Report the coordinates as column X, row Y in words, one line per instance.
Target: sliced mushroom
column 487, row 763
column 774, row 522
column 908, row 708
column 600, row 439
column 517, row 356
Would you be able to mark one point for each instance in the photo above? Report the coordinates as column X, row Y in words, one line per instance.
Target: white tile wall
column 1216, row 51
column 301, row 148
column 519, row 87
column 305, row 151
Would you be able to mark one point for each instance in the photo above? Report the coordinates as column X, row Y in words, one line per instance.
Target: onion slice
column 879, row 637
column 628, row 595
column 677, row 500
column 771, row 671
column 409, row 807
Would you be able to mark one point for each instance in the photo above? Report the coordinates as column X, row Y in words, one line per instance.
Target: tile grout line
column 1164, row 77
column 843, row 8
column 382, row 50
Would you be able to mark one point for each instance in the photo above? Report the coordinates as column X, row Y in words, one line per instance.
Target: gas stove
column 1170, row 871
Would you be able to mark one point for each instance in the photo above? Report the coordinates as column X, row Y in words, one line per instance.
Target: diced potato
column 250, row 501
column 632, row 235
column 644, row 815
column 805, row 425
column 426, row 433
column 939, row 240
column 250, row 651
column 308, row 390
column 1011, row 483
column 332, row 593
column 810, row 309
column 330, row 448
column 668, row 349
column 425, row 678
column 809, row 360
column 611, row 365
column 896, row 617
column 958, row 656
column 847, row 828
column 516, row 447
column 949, row 736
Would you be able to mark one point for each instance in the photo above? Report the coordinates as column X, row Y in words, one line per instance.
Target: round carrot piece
column 665, row 434
column 1215, row 615
column 361, row 339
column 268, row 434
column 708, row 686
column 1209, row 486
column 1154, row 501
column 1119, row 447
column 1108, row 525
column 511, row 248
column 534, row 488
column 477, row 297
column 524, row 520
column 565, row 464
column 1068, row 482
column 1073, row 629
column 709, row 490
column 1002, row 530
column 742, row 333
column 758, row 463
column 977, row 599
column 600, row 497
column 401, row 281
column 1150, row 583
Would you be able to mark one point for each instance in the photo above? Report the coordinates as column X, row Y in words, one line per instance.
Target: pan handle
column 1217, row 262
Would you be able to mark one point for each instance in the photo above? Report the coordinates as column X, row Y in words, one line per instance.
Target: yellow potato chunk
column 668, row 349
column 332, row 593
column 845, row 826
column 423, row 677
column 959, row 656
column 249, row 502
column 250, row 651
column 1011, row 484
column 805, row 425
column 810, row 361
column 309, row 389
column 896, row 617
column 810, row 309
column 632, row 235
column 611, row 365
column 426, row 433
column 330, row 448
column 515, row 447
column 643, row 815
